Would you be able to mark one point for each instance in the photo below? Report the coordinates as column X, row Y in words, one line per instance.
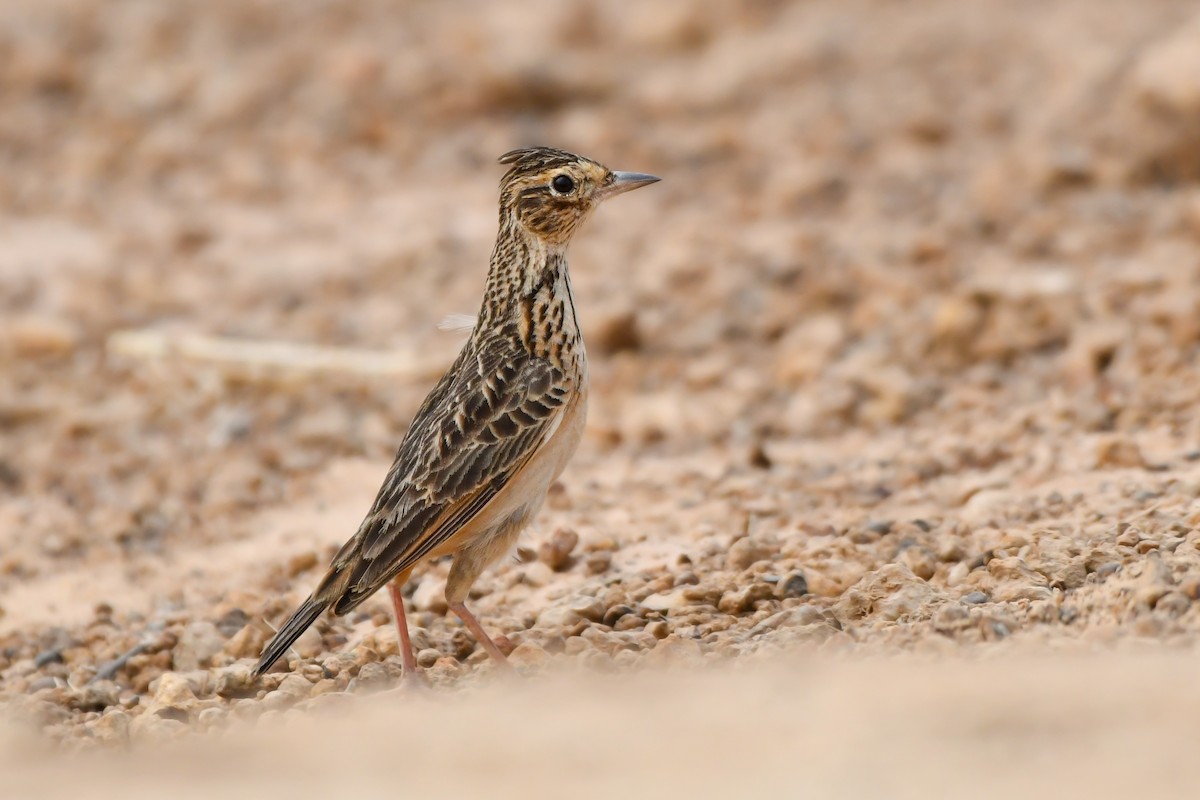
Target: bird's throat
column 528, row 295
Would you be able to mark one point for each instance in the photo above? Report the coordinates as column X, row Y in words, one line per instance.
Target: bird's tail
column 296, row 624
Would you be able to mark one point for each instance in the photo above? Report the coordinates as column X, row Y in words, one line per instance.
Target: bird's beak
column 625, row 181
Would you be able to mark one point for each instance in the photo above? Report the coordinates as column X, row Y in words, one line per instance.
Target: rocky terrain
column 898, row 361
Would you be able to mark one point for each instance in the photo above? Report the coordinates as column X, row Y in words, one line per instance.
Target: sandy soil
column 897, row 361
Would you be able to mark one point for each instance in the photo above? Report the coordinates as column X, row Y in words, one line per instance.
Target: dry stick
column 249, row 353
column 113, row 667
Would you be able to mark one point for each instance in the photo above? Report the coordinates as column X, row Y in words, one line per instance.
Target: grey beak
column 624, row 182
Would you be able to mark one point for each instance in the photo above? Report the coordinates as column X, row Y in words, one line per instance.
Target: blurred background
column 914, row 314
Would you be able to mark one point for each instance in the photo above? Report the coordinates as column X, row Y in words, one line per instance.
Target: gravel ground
column 897, row 359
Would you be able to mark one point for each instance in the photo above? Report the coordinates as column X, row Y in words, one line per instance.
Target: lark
column 501, row 424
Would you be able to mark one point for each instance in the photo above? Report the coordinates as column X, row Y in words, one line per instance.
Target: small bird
column 500, row 425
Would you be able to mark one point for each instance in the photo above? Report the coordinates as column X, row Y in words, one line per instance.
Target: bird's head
column 549, row 192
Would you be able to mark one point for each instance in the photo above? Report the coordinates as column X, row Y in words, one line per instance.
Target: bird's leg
column 480, row 634
column 406, row 650
column 468, row 563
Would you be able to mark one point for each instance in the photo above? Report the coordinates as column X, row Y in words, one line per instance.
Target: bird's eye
column 562, row 184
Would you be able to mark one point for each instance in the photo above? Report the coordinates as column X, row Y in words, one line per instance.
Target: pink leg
column 406, row 650
column 480, row 635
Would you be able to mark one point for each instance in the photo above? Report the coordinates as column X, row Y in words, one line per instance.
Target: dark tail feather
column 296, row 624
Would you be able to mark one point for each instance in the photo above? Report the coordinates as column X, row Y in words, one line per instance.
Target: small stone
column 590, row 609
column 428, row 657
column 949, row 549
column 612, row 330
column 113, row 726
column 247, row 642
column 616, row 612
column 372, row 676
column 174, row 691
column 745, row 552
column 301, row 562
column 663, row 601
column 891, row 592
column 292, row 689
column 558, row 617
column 798, row 617
column 920, row 560
column 659, row 629
column 462, row 645
column 236, row 680
column 743, row 600
column 1118, row 452
column 33, row 336
column 1175, row 604
column 794, row 584
column 676, row 650
column 556, row 553
column 151, row 727
column 629, row 622
column 598, row 562
column 528, row 654
column 951, row 618
column 228, row 623
column 974, row 598
column 197, row 644
column 538, row 574
column 430, row 596
column 94, row 696
column 1166, row 74
column 211, row 717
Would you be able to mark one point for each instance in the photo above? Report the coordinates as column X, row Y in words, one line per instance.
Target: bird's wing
column 475, row 431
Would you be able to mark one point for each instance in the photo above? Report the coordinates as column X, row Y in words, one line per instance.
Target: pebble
column 174, row 691
column 247, row 642
column 598, row 562
column 95, row 696
column 891, row 593
column 210, row 717
column 197, row 644
column 235, row 680
column 743, row 600
column 745, row 552
column 538, row 574
column 1119, row 452
column 676, row 650
column 629, row 622
column 292, row 690
column 428, row 657
column 558, row 617
column 528, row 654
column 1166, row 74
column 113, row 726
column 920, row 560
column 153, row 728
column 1174, row 604
column 430, row 595
column 590, row 609
column 662, row 601
column 556, row 553
column 301, row 562
column 462, row 645
column 794, row 584
column 371, row 677
column 951, row 618
column 34, row 336
column 658, row 628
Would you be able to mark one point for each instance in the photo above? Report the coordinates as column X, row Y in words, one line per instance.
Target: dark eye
column 562, row 184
